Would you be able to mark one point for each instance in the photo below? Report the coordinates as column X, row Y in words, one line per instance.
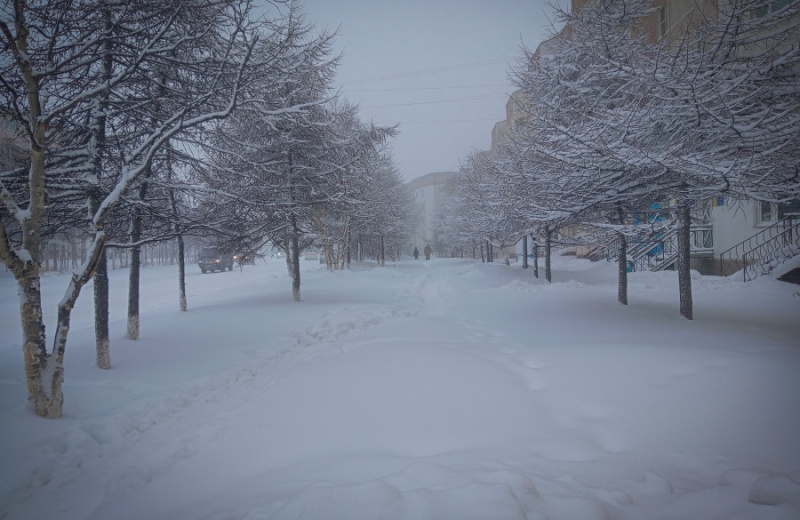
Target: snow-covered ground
column 447, row 389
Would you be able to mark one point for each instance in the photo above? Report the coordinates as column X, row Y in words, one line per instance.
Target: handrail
column 762, row 249
column 656, row 251
column 659, row 258
column 668, row 261
column 650, row 247
column 606, row 250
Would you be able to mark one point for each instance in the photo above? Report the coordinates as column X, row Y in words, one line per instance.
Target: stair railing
column 606, row 251
column 657, row 255
column 652, row 252
column 764, row 251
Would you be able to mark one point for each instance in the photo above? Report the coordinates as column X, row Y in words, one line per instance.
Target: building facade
column 427, row 192
column 731, row 222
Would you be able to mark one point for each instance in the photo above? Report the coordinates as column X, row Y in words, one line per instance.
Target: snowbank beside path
column 441, row 389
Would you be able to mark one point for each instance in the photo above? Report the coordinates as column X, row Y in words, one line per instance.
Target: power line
column 437, row 121
column 425, row 88
column 471, row 98
column 428, row 71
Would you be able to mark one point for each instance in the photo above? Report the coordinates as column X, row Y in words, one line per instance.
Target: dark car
column 214, row 260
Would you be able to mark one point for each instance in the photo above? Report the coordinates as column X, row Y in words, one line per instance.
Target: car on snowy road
column 212, row 259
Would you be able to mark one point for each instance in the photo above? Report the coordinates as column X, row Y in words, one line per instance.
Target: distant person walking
column 428, row 252
column 416, row 253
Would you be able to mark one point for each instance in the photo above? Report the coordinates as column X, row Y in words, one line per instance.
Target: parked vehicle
column 212, row 259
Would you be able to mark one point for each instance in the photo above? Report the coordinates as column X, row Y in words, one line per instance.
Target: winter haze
column 209, row 307
column 438, row 68
column 448, row 389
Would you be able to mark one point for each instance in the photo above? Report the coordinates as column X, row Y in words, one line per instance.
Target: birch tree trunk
column 45, row 393
column 43, row 375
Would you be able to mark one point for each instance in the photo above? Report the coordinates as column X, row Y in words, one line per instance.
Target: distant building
column 427, row 192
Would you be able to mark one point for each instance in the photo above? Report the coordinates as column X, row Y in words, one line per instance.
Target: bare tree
column 46, row 89
column 618, row 123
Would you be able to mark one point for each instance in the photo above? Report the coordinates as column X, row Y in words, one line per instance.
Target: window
column 777, row 5
column 767, row 213
column 772, row 7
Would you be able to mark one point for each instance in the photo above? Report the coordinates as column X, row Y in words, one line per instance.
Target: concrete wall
column 736, row 221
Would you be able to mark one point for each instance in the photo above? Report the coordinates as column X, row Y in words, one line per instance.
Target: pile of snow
column 422, row 390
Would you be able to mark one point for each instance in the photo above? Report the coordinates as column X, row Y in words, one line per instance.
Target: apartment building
column 732, row 221
column 723, row 223
column 427, row 192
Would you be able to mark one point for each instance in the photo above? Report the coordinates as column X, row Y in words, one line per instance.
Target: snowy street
column 447, row 389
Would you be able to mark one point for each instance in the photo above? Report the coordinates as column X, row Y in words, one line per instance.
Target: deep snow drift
column 447, row 389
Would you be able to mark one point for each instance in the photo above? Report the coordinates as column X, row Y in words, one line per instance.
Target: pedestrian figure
column 416, row 253
column 428, row 251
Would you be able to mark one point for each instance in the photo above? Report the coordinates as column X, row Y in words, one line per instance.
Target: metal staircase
column 658, row 251
column 764, row 251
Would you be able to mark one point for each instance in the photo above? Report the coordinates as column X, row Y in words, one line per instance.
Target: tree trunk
column 182, row 275
column 525, row 252
column 42, row 376
column 548, row 249
column 684, row 252
column 288, row 250
column 349, row 243
column 102, row 341
column 44, row 373
column 176, row 227
column 535, row 260
column 43, row 391
column 101, row 335
column 295, row 245
column 54, row 369
column 133, row 291
column 136, row 259
column 382, row 259
column 622, row 288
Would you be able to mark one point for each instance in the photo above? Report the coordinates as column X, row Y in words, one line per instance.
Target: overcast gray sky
column 439, row 68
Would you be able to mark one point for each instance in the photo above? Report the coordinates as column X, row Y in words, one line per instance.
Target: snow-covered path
column 442, row 389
